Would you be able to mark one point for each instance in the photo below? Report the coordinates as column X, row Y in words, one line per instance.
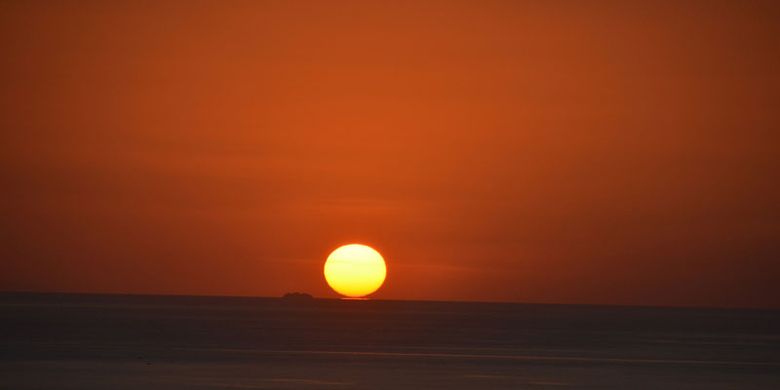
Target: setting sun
column 355, row 270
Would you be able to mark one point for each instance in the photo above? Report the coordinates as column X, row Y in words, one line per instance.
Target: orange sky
column 570, row 152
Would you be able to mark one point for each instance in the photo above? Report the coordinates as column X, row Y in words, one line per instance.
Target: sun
column 355, row 270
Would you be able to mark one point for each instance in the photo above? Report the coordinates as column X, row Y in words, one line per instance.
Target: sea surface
column 69, row 341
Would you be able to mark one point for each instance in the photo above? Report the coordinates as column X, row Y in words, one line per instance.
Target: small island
column 297, row 297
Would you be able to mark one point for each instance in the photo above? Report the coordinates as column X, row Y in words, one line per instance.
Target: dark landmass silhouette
column 297, row 297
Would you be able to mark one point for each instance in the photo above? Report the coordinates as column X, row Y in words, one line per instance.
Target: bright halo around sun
column 355, row 270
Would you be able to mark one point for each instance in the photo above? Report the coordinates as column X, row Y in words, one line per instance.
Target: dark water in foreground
column 149, row 342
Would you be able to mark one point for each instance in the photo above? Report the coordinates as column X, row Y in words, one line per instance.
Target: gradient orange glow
column 355, row 270
column 621, row 152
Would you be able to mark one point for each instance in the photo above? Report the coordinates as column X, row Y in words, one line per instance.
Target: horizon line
column 368, row 299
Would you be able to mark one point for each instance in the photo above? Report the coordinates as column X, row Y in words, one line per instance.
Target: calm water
column 50, row 341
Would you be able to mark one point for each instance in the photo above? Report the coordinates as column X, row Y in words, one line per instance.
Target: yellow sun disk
column 355, row 270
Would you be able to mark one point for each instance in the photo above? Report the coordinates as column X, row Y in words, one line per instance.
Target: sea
column 75, row 341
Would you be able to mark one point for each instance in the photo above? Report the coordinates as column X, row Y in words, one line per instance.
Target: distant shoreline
column 336, row 298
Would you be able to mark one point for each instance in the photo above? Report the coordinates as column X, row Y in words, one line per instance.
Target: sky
column 621, row 152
